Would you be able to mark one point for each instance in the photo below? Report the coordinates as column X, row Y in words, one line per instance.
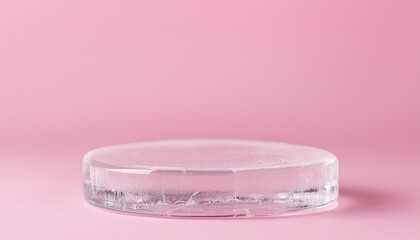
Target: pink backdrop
column 341, row 75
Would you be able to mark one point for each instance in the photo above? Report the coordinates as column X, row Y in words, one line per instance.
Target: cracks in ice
column 234, row 204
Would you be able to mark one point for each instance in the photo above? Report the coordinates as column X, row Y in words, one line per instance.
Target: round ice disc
column 220, row 178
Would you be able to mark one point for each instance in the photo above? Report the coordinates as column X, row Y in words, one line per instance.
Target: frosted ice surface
column 208, row 155
column 210, row 178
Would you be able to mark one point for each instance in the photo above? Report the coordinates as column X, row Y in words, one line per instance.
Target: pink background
column 340, row 75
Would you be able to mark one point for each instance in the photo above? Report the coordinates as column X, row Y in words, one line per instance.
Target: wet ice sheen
column 225, row 178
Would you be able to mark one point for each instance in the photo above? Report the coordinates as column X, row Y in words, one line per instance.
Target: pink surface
column 340, row 75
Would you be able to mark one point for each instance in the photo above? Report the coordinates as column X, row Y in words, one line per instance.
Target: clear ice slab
column 210, row 178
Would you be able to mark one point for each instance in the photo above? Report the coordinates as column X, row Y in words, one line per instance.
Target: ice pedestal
column 210, row 178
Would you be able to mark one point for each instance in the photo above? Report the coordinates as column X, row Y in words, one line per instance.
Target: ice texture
column 187, row 178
